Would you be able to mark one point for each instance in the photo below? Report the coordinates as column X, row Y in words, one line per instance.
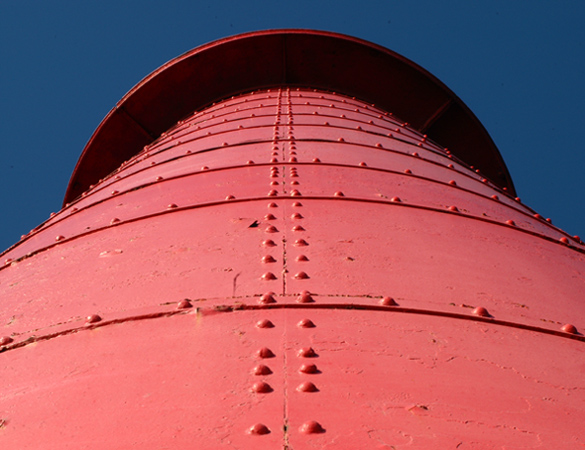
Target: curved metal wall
column 292, row 268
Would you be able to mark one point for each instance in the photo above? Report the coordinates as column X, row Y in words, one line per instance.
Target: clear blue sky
column 518, row 64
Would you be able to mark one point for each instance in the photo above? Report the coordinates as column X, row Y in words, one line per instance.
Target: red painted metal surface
column 292, row 268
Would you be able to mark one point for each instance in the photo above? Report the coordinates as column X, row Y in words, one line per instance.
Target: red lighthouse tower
column 292, row 239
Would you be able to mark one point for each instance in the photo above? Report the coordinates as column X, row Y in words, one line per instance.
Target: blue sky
column 519, row 65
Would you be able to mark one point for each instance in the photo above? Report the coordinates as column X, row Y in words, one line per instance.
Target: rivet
column 274, row 168
column 297, row 204
column 115, row 192
column 5, row 340
column 379, row 145
column 307, row 386
column 59, row 238
column 511, row 222
column 338, row 194
column 568, row 328
column 172, row 206
column 268, row 243
column 309, row 368
column 451, row 166
column 296, row 216
column 388, row 301
column 152, row 163
column 298, row 228
column 265, row 353
column 267, row 298
column 224, row 144
column 363, row 164
column 230, row 197
column 300, row 243
column 295, row 193
column 273, row 160
column 301, row 276
column 249, row 162
column 184, row 304
column 564, row 240
column 269, row 217
column 272, row 205
column 114, row 220
column 93, row 318
column 548, row 220
column 271, row 229
column 294, row 183
column 305, row 297
column 307, row 352
column 416, row 155
column 407, row 171
column 292, row 152
column 419, row 144
column 261, row 388
column 537, row 216
column 273, row 193
column 341, row 139
column 258, row 429
column 264, row 323
column 326, row 124
column 204, row 168
column 453, row 208
column 159, row 178
column 495, row 197
column 577, row 238
column 274, row 183
column 396, row 200
column 301, row 258
column 268, row 276
column 273, row 174
column 517, row 199
column 481, row 312
column 358, row 128
column 316, row 160
column 294, row 174
column 261, row 369
column 311, row 427
column 453, row 183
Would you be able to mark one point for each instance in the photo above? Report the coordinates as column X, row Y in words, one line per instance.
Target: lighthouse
column 292, row 239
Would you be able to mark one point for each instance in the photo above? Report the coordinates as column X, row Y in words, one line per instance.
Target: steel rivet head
column 261, row 388
column 408, row 171
column 296, row 216
column 258, row 429
column 294, row 174
column 274, row 183
column 267, row 298
column 268, row 259
column 293, row 159
column 114, row 220
column 548, row 220
column 301, row 276
column 204, row 168
column 341, row 139
column 495, row 197
column 59, row 238
column 568, row 328
column 396, row 200
column 93, row 318
column 480, row 311
column 305, row 297
column 388, row 301
column 271, row 229
column 269, row 217
column 5, row 340
column 272, row 205
column 311, row 427
column 265, row 323
column 273, row 160
column 537, row 216
column 338, row 194
column 300, row 243
column 230, row 197
column 307, row 352
column 517, row 199
column 451, row 166
column 268, row 243
column 301, row 258
column 307, row 386
column 358, row 128
column 249, row 162
column 453, row 183
column 265, row 353
column 511, row 222
column 294, row 183
column 453, row 208
column 309, row 368
column 115, row 192
column 564, row 240
column 416, row 155
column 273, row 193
column 363, row 164
column 268, row 276
column 298, row 228
column 379, row 145
column 316, row 160
column 261, row 369
column 159, row 178
column 184, row 304
column 295, row 193
column 297, row 204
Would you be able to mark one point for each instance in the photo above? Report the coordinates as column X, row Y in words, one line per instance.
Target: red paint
column 410, row 299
